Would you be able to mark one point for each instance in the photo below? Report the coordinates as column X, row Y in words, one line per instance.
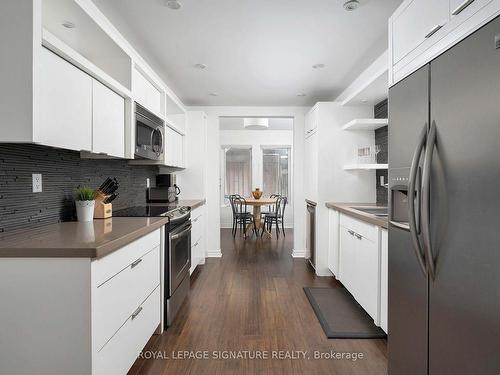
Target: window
column 237, row 171
column 276, row 168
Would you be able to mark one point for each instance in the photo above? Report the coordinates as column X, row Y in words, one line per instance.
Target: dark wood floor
column 249, row 300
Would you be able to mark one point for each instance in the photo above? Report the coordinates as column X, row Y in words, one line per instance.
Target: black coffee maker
column 166, row 190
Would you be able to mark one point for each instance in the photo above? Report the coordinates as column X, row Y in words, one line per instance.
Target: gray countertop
column 84, row 240
column 346, row 208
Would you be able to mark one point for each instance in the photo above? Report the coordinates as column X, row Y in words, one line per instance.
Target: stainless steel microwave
column 149, row 130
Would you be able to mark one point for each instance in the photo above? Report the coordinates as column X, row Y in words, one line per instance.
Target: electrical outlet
column 148, row 183
column 37, row 182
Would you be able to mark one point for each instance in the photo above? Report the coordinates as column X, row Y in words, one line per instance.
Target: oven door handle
column 179, row 235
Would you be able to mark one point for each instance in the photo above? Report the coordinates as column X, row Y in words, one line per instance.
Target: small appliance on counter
column 166, row 190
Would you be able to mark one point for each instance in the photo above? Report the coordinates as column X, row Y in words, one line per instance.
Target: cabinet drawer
column 368, row 231
column 117, row 298
column 105, row 268
column 120, row 353
column 197, row 230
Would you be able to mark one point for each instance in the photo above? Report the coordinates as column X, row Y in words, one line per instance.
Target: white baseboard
column 214, row 254
column 298, row 253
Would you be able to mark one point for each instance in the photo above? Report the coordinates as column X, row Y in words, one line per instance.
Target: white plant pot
column 85, row 210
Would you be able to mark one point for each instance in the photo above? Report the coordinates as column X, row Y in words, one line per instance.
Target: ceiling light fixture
column 174, row 4
column 200, row 66
column 318, row 66
column 68, row 24
column 351, row 5
column 213, row 94
column 256, row 123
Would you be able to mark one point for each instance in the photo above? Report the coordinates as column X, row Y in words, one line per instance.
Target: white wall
column 213, row 169
column 256, row 139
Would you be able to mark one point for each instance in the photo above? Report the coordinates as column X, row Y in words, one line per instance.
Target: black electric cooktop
column 150, row 211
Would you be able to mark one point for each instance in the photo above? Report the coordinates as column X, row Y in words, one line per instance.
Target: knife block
column 102, row 210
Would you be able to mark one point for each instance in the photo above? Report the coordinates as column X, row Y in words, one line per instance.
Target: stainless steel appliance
column 166, row 189
column 311, row 232
column 149, row 130
column 444, row 257
column 177, row 256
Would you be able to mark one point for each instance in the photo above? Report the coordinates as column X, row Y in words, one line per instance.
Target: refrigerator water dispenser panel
column 398, row 186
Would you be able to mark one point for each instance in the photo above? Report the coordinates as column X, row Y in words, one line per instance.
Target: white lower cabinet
column 198, row 247
column 362, row 262
column 384, row 272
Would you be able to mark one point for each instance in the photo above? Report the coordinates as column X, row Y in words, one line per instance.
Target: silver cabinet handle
column 178, row 235
column 461, row 7
column 412, row 224
column 136, row 263
column 358, row 236
column 433, row 31
column 136, row 312
column 426, row 187
column 350, row 232
column 196, row 244
column 195, row 220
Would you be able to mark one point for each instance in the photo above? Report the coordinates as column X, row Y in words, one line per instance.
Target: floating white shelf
column 366, row 124
column 365, row 166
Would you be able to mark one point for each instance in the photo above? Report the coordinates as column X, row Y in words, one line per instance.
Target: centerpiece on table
column 257, row 193
column 85, row 203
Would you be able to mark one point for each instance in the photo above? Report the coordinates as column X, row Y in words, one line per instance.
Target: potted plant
column 85, row 202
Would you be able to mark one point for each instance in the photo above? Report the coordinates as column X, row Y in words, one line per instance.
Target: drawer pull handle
column 461, row 7
column 358, row 236
column 136, row 312
column 195, row 220
column 136, row 263
column 433, row 31
column 350, row 232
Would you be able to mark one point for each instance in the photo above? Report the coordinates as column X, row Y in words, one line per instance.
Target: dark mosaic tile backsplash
column 381, row 111
column 62, row 172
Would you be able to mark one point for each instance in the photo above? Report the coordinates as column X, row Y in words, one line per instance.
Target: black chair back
column 272, row 207
column 280, row 206
column 240, row 205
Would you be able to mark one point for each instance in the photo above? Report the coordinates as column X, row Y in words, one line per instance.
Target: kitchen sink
column 377, row 211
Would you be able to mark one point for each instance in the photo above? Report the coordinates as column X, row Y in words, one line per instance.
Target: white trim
column 298, row 253
column 214, row 254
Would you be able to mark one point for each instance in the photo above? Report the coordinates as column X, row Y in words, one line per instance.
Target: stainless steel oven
column 149, row 130
column 177, row 265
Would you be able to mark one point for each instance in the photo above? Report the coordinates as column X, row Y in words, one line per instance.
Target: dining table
column 257, row 204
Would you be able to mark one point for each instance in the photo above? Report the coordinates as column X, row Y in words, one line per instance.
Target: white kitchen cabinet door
column 416, row 23
column 311, row 166
column 311, row 121
column 384, row 286
column 349, row 273
column 146, row 94
column 108, row 121
column 174, row 148
column 367, row 283
column 65, row 105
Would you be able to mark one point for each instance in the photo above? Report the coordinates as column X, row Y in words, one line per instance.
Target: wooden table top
column 260, row 202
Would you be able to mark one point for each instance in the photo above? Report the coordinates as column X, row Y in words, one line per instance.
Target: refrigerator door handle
column 426, row 187
column 412, row 223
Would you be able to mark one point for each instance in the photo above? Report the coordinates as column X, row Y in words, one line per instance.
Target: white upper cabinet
column 146, row 94
column 174, row 148
column 417, row 22
column 65, row 105
column 420, row 30
column 311, row 121
column 108, row 121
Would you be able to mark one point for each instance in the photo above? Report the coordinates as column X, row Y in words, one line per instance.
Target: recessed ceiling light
column 213, row 94
column 174, row 4
column 301, row 94
column 68, row 24
column 364, row 101
column 200, row 66
column 318, row 66
column 351, row 5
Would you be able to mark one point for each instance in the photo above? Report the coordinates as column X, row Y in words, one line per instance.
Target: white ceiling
column 236, row 123
column 257, row 52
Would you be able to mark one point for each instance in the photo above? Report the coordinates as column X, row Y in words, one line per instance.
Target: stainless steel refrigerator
column 444, row 232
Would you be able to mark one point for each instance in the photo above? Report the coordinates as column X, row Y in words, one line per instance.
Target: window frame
column 290, row 166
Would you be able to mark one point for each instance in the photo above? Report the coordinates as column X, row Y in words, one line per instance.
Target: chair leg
column 255, row 228
column 283, row 227
column 277, row 229
column 233, row 230
column 264, row 225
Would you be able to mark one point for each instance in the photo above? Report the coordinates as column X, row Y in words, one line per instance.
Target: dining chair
column 241, row 216
column 277, row 217
column 271, row 207
column 234, row 213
